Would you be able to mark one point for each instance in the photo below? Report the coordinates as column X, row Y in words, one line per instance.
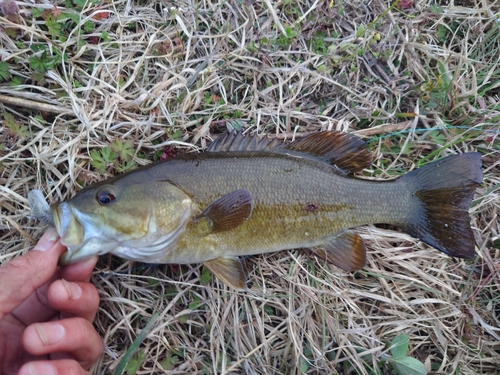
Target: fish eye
column 105, row 196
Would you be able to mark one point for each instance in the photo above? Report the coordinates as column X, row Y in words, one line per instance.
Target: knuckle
column 69, row 367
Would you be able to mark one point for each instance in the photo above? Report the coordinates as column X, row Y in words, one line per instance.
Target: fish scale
column 279, row 217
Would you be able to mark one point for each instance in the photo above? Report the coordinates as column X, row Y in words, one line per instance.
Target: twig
column 26, row 103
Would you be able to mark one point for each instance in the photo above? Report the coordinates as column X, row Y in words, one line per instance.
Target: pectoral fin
column 227, row 212
column 346, row 251
column 230, row 270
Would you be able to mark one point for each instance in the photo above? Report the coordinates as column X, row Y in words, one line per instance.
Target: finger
column 36, row 308
column 28, row 314
column 75, row 336
column 59, row 367
column 74, row 299
column 25, row 274
column 80, row 271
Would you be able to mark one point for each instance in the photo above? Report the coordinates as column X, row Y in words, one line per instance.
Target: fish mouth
column 72, row 233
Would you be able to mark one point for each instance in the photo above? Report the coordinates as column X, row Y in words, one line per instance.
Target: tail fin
column 445, row 189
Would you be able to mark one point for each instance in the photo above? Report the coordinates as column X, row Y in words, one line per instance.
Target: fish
column 247, row 195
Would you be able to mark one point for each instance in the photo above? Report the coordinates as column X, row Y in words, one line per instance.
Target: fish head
column 139, row 221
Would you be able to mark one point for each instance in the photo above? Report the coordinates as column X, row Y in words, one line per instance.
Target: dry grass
column 417, row 82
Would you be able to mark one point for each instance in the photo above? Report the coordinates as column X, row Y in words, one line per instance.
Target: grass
column 89, row 88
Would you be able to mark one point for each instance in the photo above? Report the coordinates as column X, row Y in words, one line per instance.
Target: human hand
column 46, row 313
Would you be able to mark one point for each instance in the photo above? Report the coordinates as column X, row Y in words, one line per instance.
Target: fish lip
column 55, row 216
column 62, row 215
column 65, row 257
column 70, row 257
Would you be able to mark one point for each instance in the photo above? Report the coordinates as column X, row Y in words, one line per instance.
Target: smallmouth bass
column 246, row 196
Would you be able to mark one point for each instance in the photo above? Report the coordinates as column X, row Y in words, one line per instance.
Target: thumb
column 25, row 274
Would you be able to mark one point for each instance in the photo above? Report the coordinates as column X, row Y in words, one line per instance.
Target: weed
column 15, row 129
column 171, row 360
column 43, row 63
column 287, row 39
column 124, row 150
column 401, row 363
column 4, row 71
column 318, row 44
column 135, row 362
column 206, row 276
column 103, row 159
column 117, row 156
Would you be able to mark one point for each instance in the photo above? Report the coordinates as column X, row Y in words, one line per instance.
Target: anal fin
column 346, row 251
column 230, row 270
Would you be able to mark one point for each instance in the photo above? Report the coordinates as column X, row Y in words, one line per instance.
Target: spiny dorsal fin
column 228, row 212
column 230, row 270
column 346, row 251
column 345, row 151
column 231, row 142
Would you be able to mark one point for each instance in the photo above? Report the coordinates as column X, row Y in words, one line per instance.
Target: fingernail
column 48, row 240
column 41, row 369
column 74, row 290
column 50, row 333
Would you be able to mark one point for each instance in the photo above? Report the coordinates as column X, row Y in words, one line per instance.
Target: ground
column 89, row 89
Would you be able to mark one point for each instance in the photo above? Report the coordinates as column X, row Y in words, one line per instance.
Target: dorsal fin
column 345, row 151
